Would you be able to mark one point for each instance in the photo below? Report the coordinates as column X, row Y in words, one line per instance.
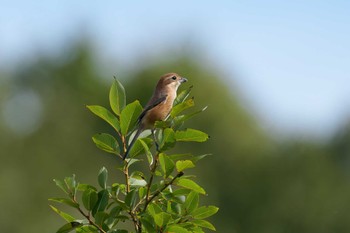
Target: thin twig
column 87, row 216
column 159, row 191
column 153, row 169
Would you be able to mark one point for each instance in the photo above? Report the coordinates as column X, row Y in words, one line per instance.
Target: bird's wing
column 151, row 105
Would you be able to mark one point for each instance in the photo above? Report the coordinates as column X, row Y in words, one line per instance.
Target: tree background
column 260, row 181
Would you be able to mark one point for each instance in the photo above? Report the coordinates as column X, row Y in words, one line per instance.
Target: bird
column 159, row 106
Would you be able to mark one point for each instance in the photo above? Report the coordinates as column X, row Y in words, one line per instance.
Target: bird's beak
column 183, row 80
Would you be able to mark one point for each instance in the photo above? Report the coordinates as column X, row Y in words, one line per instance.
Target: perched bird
column 159, row 106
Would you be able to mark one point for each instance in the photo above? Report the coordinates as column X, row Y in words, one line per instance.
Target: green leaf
column 167, row 140
column 65, row 201
column 181, row 107
column 64, row 215
column 131, row 161
column 182, row 165
column 147, row 151
column 147, row 225
column 100, row 217
column 106, row 115
column 117, row 98
column 190, row 184
column 142, row 192
column 166, row 164
column 153, row 209
column 106, row 142
column 195, row 159
column 191, row 135
column 102, row 177
column 176, row 229
column 130, row 199
column 118, row 231
column 182, row 96
column 129, row 116
column 161, row 219
column 71, row 185
column 89, row 198
column 68, row 227
column 174, row 208
column 138, row 147
column 103, row 198
column 204, row 212
column 180, row 119
column 137, row 180
column 83, row 187
column 191, row 202
column 87, row 229
column 61, row 185
column 203, row 223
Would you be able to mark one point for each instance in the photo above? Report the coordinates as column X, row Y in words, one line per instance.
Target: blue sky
column 289, row 60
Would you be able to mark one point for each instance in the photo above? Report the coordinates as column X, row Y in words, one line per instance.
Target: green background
column 260, row 182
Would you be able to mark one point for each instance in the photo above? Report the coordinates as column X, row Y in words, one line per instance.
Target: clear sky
column 290, row 60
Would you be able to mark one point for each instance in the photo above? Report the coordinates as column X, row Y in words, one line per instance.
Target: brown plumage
column 159, row 106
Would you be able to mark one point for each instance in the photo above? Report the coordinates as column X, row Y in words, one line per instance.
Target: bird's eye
column 174, row 77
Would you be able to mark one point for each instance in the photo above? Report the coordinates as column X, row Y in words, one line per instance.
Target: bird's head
column 171, row 80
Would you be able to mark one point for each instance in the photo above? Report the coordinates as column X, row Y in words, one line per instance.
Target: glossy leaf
column 61, row 185
column 203, row 223
column 64, row 215
column 147, row 225
column 182, row 118
column 137, row 180
column 176, row 229
column 83, row 187
column 190, row 184
column 68, row 227
column 153, row 209
column 161, row 219
column 167, row 140
column 182, row 107
column 130, row 199
column 199, row 157
column 102, row 178
column 147, row 151
column 65, row 201
column 204, row 212
column 117, row 98
column 182, row 96
column 166, row 164
column 106, row 115
column 71, row 182
column 100, row 217
column 129, row 116
column 191, row 135
column 89, row 198
column 138, row 147
column 103, row 198
column 106, row 142
column 182, row 165
column 191, row 202
column 86, row 229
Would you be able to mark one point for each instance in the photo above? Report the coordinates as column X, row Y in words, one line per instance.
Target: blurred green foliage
column 259, row 183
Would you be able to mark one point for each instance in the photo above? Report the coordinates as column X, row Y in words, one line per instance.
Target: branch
column 159, row 191
column 87, row 216
column 152, row 175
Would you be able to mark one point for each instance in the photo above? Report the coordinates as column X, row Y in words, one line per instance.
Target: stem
column 126, row 173
column 87, row 216
column 153, row 169
column 137, row 224
column 159, row 191
column 124, row 143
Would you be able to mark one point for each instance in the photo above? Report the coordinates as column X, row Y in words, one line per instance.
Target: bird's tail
column 138, row 132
